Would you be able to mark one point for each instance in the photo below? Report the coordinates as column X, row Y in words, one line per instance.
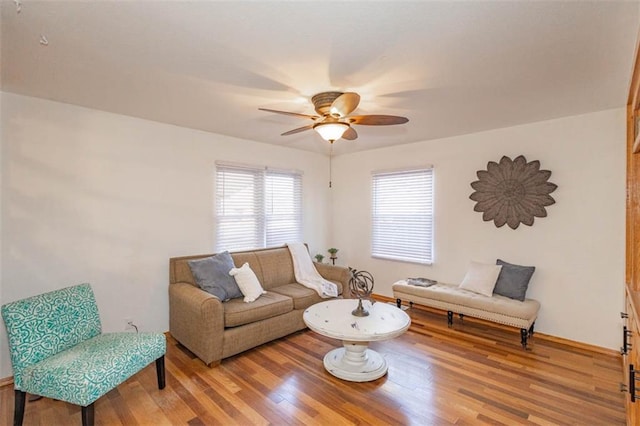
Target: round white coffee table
column 355, row 361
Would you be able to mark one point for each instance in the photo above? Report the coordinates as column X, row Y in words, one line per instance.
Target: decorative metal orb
column 360, row 284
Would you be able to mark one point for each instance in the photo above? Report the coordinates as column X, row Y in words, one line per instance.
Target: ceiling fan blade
column 298, row 130
column 344, row 104
column 350, row 134
column 295, row 114
column 377, row 120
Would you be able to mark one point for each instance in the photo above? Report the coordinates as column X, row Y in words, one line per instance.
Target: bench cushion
column 497, row 308
column 270, row 304
column 85, row 372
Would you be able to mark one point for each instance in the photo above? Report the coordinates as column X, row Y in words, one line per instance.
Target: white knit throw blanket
column 307, row 275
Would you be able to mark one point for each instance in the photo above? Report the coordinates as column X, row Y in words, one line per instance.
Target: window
column 402, row 215
column 257, row 207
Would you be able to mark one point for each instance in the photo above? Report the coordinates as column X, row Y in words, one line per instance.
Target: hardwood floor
column 472, row 374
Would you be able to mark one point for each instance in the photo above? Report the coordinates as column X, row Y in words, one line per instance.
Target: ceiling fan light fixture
column 331, row 131
column 333, row 120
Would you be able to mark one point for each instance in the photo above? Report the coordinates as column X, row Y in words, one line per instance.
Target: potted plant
column 319, row 257
column 332, row 251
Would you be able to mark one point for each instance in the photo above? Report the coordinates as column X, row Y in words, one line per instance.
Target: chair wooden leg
column 160, row 372
column 18, row 411
column 87, row 415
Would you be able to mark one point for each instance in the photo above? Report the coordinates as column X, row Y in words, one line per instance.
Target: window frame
column 258, row 235
column 384, row 243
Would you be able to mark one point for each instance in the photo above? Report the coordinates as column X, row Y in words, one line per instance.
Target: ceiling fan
column 333, row 120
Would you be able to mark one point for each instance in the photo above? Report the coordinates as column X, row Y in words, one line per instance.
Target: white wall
column 94, row 197
column 578, row 249
column 89, row 196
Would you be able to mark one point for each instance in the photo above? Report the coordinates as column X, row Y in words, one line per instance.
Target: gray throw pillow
column 513, row 280
column 212, row 275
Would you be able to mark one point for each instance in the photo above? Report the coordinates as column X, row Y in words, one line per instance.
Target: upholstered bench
column 451, row 298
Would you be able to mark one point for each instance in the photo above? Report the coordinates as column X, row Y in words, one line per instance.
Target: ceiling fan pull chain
column 330, row 157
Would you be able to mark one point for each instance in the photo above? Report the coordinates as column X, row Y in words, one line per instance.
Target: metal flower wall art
column 512, row 192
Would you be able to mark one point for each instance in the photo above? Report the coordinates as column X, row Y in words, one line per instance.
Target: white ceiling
column 451, row 67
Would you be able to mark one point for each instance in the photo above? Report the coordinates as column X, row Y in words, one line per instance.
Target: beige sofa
column 214, row 330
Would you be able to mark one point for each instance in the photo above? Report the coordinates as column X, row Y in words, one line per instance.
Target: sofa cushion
column 277, row 267
column 481, row 278
column 513, row 280
column 212, row 275
column 302, row 296
column 251, row 258
column 270, row 304
column 248, row 282
column 85, row 372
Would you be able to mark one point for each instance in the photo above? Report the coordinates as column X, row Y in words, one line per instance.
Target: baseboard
column 578, row 345
column 6, row 381
column 538, row 335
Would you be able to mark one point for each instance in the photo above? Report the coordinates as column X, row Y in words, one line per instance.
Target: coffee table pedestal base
column 355, row 362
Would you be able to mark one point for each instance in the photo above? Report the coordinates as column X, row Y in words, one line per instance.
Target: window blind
column 283, row 210
column 402, row 215
column 257, row 207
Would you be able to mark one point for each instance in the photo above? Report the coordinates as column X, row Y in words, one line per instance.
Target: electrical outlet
column 128, row 324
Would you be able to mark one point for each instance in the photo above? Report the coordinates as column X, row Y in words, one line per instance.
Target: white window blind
column 402, row 215
column 283, row 208
column 257, row 207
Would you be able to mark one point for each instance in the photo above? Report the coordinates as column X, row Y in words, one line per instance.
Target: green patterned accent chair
column 59, row 351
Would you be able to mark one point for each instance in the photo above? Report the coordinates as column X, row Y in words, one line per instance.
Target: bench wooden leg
column 18, row 408
column 87, row 415
column 531, row 329
column 524, row 334
column 449, row 319
column 160, row 372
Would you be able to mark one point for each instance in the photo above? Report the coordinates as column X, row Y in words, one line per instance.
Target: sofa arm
column 196, row 320
column 335, row 273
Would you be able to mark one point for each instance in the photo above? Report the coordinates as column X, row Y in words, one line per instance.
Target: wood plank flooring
column 472, row 374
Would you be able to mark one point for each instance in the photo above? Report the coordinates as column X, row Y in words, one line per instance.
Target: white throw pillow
column 480, row 278
column 248, row 282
